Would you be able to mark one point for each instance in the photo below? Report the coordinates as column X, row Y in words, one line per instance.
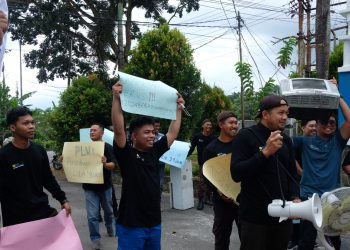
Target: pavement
column 181, row 229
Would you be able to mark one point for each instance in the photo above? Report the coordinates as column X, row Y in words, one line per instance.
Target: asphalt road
column 181, row 229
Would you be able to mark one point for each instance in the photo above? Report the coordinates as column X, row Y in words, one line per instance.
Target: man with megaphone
column 263, row 161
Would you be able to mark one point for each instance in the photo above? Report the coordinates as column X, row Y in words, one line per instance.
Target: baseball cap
column 224, row 115
column 270, row 102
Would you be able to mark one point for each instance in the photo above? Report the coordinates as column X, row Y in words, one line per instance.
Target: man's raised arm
column 117, row 116
column 174, row 126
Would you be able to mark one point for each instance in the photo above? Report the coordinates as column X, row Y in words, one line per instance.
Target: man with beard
column 321, row 161
column 225, row 210
column 263, row 161
column 201, row 140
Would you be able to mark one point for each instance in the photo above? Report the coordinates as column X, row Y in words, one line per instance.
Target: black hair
column 156, row 120
column 13, row 115
column 303, row 123
column 98, row 124
column 139, row 123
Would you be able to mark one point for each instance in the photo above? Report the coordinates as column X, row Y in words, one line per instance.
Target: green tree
column 87, row 100
column 336, row 60
column 6, row 103
column 89, row 24
column 44, row 129
column 213, row 100
column 164, row 54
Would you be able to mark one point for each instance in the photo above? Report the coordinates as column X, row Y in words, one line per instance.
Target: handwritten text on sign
column 82, row 161
column 146, row 97
column 177, row 154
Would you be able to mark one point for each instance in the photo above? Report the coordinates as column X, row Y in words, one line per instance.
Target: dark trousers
column 114, row 203
column 203, row 186
column 295, row 233
column 308, row 237
column 224, row 215
column 265, row 237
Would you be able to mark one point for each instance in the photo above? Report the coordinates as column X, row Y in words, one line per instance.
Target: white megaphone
column 310, row 210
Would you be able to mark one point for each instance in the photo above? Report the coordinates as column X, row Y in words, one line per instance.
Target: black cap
column 270, row 102
column 224, row 115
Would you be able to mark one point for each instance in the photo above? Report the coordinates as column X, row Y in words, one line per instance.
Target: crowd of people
column 266, row 161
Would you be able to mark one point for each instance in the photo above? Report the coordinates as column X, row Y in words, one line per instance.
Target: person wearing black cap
column 201, row 140
column 225, row 210
column 263, row 161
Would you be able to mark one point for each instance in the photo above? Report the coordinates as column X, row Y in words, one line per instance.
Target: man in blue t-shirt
column 321, row 161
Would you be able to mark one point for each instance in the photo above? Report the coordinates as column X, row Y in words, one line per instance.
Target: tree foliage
column 164, row 54
column 86, row 101
column 8, row 102
column 336, row 60
column 284, row 55
column 89, row 24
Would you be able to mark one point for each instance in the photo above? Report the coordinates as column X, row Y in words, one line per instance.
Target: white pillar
column 346, row 39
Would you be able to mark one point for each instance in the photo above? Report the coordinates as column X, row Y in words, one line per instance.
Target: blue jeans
column 138, row 238
column 93, row 201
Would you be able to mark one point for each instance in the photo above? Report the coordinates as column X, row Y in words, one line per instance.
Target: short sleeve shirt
column 140, row 199
column 321, row 161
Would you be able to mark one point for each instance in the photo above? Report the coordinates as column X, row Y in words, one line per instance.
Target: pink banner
column 54, row 233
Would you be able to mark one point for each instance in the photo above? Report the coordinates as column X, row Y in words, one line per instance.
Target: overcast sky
column 211, row 32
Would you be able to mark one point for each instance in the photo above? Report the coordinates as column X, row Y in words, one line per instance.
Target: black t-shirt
column 214, row 149
column 107, row 174
column 23, row 175
column 200, row 141
column 140, row 199
column 346, row 160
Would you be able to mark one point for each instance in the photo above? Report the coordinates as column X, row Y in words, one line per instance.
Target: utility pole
column 70, row 61
column 240, row 60
column 121, row 55
column 322, row 34
column 308, row 39
column 301, row 44
column 20, row 72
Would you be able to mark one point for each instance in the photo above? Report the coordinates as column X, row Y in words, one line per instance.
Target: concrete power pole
column 308, row 39
column 301, row 43
column 121, row 59
column 240, row 60
column 322, row 36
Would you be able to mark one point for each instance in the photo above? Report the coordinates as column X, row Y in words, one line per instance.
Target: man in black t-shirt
column 139, row 221
column 201, row 140
column 24, row 173
column 225, row 210
column 346, row 164
column 96, row 194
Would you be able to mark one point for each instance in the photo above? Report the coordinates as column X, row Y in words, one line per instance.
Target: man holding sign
column 139, row 221
column 24, row 173
column 96, row 194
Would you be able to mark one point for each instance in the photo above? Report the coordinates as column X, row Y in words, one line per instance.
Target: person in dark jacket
column 201, row 140
column 24, row 173
column 263, row 161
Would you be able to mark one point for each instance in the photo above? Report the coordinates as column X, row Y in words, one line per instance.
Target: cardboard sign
column 177, row 154
column 82, row 161
column 217, row 171
column 146, row 97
